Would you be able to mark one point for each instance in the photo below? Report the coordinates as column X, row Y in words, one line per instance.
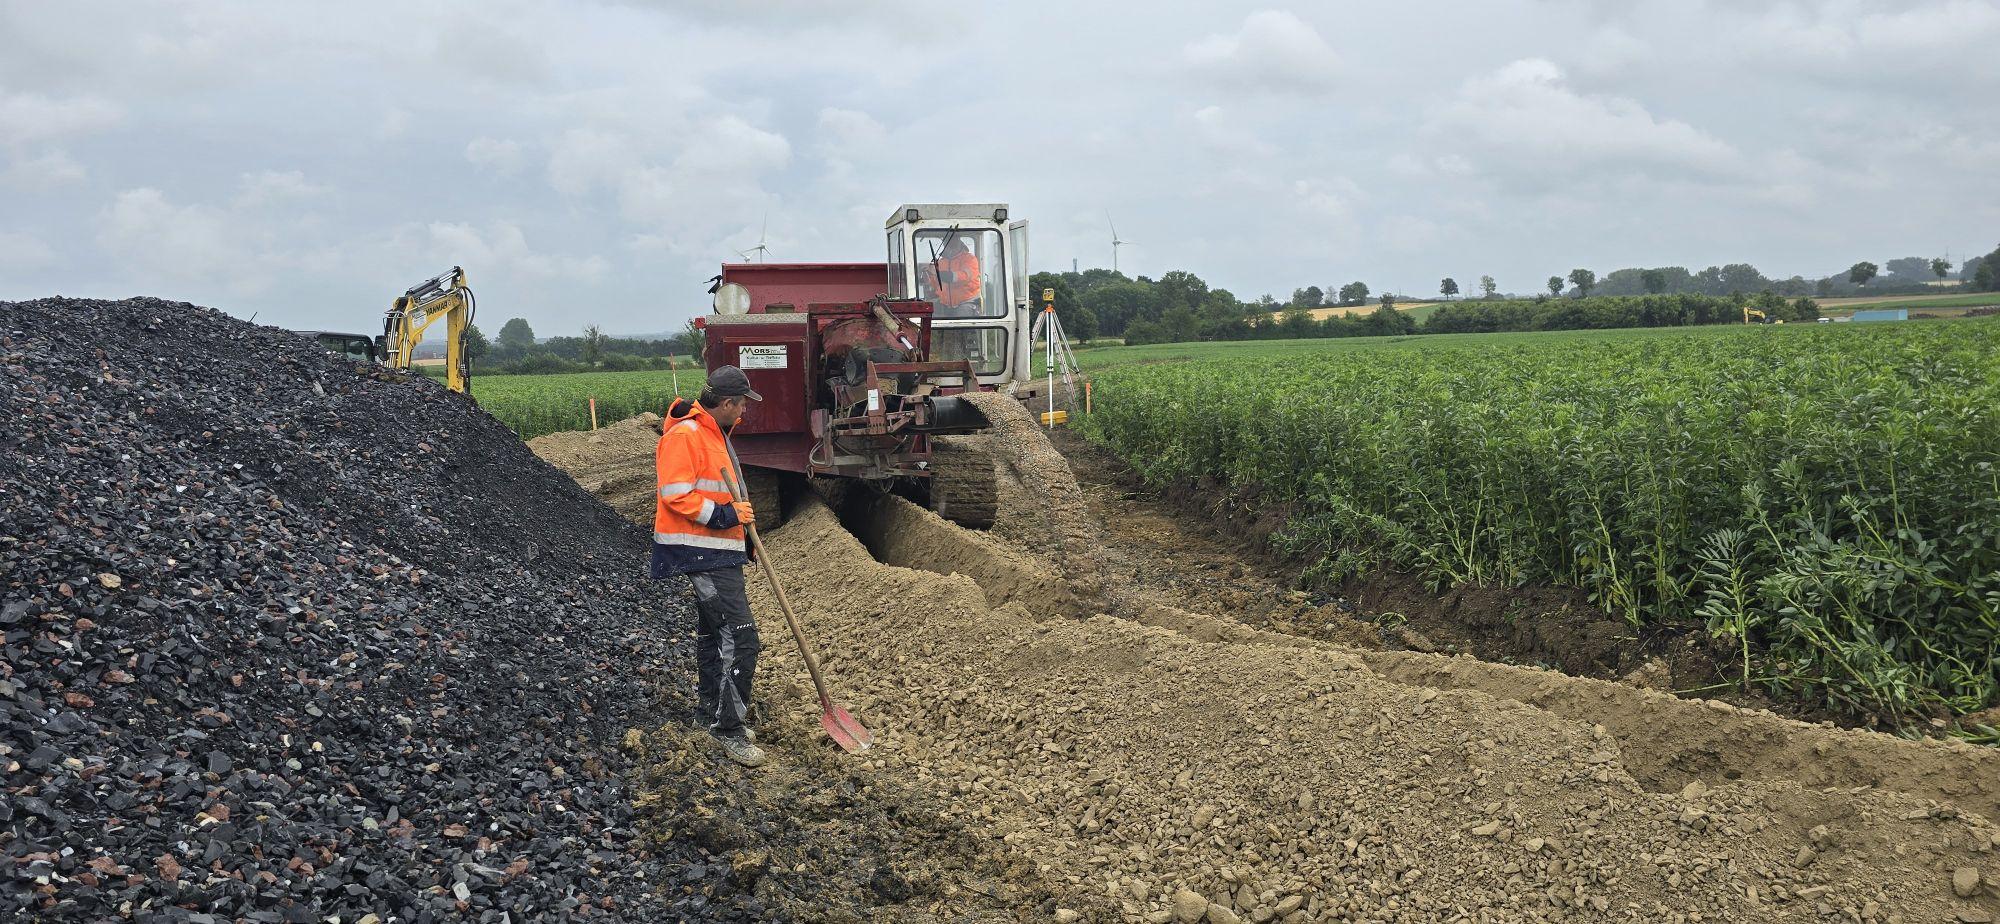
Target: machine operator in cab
column 698, row 532
column 953, row 277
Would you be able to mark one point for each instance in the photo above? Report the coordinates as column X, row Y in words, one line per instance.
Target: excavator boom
column 442, row 297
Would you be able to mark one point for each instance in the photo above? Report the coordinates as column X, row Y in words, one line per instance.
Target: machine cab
column 971, row 263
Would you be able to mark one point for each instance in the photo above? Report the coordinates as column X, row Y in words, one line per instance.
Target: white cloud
column 1411, row 233
column 1220, row 132
column 1327, row 199
column 689, row 194
column 395, row 123
column 1274, row 51
column 484, row 50
column 1525, row 123
column 21, row 251
column 243, row 248
column 52, row 168
column 498, row 155
column 849, row 126
column 26, row 118
column 275, row 187
column 178, row 242
column 1796, row 134
column 503, row 247
column 586, row 159
column 1845, row 31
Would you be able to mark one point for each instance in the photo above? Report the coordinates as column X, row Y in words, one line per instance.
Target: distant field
column 1913, row 302
column 1417, row 311
column 1113, row 356
column 532, row 405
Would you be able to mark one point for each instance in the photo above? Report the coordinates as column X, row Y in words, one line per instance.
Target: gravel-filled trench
column 1117, row 759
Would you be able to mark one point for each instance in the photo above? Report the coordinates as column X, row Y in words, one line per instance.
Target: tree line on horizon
column 1181, row 306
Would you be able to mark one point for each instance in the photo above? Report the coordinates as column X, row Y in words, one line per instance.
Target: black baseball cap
column 729, row 382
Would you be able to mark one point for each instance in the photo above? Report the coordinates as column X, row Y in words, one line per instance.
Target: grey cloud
column 499, row 155
column 32, row 118
column 41, row 171
column 1528, row 124
column 1273, row 50
column 610, row 154
column 21, row 251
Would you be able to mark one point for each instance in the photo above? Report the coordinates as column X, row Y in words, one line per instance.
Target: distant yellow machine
column 1762, row 318
column 442, row 297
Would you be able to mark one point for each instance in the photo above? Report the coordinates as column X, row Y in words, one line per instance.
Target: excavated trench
column 1109, row 756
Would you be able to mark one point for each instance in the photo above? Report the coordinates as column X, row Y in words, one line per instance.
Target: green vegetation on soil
column 532, row 405
column 1825, row 498
column 1915, row 303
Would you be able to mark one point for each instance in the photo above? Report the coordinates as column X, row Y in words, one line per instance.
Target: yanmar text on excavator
column 861, row 365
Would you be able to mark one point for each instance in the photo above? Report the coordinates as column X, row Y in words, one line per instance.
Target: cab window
column 960, row 271
column 986, row 347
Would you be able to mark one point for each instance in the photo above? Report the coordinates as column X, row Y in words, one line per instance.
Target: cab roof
column 961, row 211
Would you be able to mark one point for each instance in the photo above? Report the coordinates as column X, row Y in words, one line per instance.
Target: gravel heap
column 614, row 463
column 292, row 640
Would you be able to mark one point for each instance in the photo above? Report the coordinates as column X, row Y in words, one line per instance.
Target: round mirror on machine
column 732, row 298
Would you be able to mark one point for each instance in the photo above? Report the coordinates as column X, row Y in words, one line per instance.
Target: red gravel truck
column 861, row 365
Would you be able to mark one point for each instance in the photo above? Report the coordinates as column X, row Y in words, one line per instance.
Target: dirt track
column 1129, row 758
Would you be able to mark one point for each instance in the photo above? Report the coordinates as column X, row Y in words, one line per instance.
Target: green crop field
column 536, row 404
column 1826, row 498
column 1106, row 357
column 1913, row 302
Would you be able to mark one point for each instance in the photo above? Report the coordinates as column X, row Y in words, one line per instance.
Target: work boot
column 741, row 750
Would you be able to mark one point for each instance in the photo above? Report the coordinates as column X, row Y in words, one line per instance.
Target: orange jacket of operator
column 963, row 286
column 690, row 460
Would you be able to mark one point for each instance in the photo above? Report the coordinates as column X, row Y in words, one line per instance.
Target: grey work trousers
column 726, row 647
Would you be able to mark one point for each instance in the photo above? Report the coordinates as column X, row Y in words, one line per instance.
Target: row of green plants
column 533, row 405
column 1825, row 499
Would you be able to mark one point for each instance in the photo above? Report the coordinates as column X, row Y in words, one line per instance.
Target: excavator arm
column 443, row 297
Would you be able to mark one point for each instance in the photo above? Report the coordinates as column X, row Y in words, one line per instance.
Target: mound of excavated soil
column 615, row 462
column 1269, row 777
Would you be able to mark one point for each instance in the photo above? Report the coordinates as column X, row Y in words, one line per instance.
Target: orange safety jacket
column 964, row 284
column 694, row 526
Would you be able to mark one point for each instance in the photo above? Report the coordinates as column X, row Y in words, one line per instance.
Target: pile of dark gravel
column 289, row 640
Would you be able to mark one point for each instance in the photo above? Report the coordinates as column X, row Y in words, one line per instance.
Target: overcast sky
column 596, row 161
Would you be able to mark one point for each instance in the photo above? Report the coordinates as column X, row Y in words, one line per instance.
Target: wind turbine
column 1115, row 242
column 760, row 250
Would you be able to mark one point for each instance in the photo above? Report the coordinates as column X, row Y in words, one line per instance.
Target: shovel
column 841, row 727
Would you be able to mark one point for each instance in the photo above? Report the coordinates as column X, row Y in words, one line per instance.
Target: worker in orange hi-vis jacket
column 954, row 275
column 698, row 532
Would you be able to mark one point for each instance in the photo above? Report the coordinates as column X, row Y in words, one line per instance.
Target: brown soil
column 1077, row 722
column 615, row 462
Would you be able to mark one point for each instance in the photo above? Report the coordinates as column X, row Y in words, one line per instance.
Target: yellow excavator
column 442, row 297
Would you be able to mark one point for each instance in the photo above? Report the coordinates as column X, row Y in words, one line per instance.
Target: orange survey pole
column 593, row 413
column 1086, row 396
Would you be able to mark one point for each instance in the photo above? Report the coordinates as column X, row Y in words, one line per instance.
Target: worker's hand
column 744, row 514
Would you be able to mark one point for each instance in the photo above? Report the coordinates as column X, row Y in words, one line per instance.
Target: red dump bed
column 802, row 284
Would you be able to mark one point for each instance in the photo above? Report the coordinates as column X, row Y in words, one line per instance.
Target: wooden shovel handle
column 784, row 602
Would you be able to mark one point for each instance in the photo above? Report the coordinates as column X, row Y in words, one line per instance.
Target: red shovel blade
column 845, row 731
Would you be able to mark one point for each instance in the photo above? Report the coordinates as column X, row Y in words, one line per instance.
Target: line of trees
column 1180, row 306
column 1609, row 311
column 516, row 351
